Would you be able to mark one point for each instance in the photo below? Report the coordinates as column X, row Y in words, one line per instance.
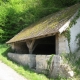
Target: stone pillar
column 54, row 72
column 63, row 44
column 57, row 44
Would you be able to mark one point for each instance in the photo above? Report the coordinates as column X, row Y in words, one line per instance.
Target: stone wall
column 63, row 44
column 55, row 67
column 74, row 31
column 41, row 62
column 58, row 68
column 33, row 61
column 23, row 59
column 20, row 47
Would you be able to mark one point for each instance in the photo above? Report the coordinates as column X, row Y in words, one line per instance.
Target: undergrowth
column 73, row 60
column 24, row 71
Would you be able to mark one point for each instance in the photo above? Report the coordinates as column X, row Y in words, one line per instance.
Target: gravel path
column 6, row 73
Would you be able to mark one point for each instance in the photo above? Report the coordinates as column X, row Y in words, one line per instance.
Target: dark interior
column 21, row 48
column 46, row 46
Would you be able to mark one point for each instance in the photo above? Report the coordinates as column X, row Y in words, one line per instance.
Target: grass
column 31, row 75
column 24, row 71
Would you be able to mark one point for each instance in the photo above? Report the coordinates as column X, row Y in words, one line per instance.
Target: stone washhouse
column 34, row 45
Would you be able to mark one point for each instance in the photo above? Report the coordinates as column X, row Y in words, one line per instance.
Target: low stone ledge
column 23, row 59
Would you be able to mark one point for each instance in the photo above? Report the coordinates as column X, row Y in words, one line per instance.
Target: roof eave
column 66, row 25
column 37, row 37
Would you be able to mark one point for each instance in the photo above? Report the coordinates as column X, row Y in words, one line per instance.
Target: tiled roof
column 47, row 25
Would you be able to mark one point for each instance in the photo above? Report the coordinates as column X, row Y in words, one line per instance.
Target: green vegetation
column 25, row 71
column 73, row 60
column 49, row 64
column 67, row 33
column 54, row 19
column 18, row 14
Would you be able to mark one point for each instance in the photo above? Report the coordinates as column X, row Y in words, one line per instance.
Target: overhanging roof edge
column 66, row 25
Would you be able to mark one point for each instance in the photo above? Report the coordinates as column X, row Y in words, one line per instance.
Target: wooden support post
column 34, row 46
column 30, row 45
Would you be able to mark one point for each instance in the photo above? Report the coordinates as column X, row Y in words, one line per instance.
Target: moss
column 45, row 25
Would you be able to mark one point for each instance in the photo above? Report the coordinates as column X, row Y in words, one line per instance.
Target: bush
column 18, row 14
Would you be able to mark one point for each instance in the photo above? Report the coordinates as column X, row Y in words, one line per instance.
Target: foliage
column 49, row 63
column 60, row 3
column 3, row 48
column 78, row 35
column 73, row 60
column 25, row 71
column 78, row 41
column 67, row 32
column 18, row 14
column 66, row 2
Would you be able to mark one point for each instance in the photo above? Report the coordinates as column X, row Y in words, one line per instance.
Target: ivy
column 78, row 41
column 78, row 36
column 49, row 63
column 67, row 33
